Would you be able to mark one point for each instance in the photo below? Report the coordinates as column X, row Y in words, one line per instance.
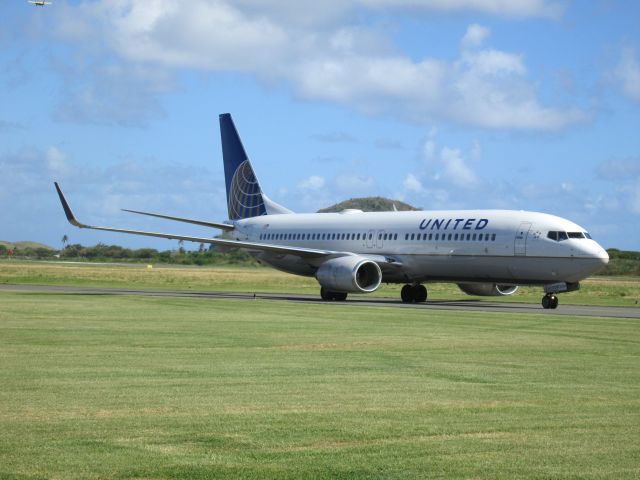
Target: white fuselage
column 502, row 246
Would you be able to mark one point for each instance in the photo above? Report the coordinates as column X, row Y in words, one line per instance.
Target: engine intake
column 488, row 289
column 352, row 274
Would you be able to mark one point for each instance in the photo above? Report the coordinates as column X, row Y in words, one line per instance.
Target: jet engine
column 488, row 289
column 352, row 274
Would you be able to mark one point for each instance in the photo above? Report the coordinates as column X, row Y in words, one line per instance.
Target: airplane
column 39, row 3
column 485, row 252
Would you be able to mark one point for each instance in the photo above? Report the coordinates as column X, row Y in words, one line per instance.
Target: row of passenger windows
column 474, row 237
column 560, row 236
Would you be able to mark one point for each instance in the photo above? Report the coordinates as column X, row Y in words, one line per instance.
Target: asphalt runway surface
column 358, row 300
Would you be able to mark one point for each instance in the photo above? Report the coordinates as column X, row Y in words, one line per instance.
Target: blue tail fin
column 244, row 195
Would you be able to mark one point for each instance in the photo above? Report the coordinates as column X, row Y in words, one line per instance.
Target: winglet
column 67, row 209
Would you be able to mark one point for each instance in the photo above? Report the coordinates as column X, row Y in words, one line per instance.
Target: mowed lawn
column 142, row 387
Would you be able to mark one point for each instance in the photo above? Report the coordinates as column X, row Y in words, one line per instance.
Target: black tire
column 406, row 294
column 554, row 302
column 340, row 296
column 325, row 294
column 546, row 302
column 420, row 293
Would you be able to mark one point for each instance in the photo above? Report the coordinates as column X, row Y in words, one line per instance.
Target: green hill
column 24, row 245
column 369, row 204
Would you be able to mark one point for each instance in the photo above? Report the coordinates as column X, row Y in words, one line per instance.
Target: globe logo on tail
column 245, row 196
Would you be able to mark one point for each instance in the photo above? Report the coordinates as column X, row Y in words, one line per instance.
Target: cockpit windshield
column 559, row 236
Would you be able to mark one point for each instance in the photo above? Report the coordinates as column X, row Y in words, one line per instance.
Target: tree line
column 113, row 253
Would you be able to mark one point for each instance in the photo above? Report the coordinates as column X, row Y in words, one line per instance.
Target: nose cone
column 599, row 258
column 603, row 256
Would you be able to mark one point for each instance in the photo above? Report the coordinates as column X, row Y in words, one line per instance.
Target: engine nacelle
column 351, row 274
column 488, row 289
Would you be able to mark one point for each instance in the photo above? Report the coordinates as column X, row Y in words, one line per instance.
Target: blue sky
column 520, row 104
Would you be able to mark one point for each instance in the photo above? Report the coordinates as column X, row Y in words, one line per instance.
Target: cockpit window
column 559, row 236
column 586, row 234
column 576, row 235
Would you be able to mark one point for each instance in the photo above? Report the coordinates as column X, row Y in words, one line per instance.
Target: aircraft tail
column 244, row 195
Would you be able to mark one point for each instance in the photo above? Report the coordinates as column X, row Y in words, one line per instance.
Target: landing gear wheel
column 407, row 294
column 325, row 294
column 549, row 301
column 328, row 295
column 419, row 293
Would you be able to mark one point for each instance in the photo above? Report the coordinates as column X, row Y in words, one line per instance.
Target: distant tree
column 181, row 246
column 201, row 249
column 65, row 241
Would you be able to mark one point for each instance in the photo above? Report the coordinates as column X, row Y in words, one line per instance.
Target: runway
column 354, row 300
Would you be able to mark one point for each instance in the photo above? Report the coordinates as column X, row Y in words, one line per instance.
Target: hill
column 368, row 204
column 24, row 245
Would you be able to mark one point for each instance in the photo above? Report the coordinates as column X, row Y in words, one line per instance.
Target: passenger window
column 358, row 237
column 437, row 236
column 455, row 237
column 473, row 237
column 395, row 236
column 413, row 236
column 406, row 236
column 449, row 238
column 493, row 237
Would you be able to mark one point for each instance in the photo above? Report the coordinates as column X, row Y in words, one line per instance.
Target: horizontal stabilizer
column 221, row 226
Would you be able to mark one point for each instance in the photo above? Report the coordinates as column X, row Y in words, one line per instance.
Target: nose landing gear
column 413, row 293
column 549, row 301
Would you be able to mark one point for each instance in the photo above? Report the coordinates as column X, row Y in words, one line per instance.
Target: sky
column 444, row 104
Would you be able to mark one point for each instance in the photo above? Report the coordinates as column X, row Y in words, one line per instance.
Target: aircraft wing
column 265, row 247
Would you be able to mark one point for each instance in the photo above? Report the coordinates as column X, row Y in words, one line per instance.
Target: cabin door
column 520, row 244
column 371, row 239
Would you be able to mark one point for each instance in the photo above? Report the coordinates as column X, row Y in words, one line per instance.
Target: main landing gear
column 335, row 296
column 413, row 293
column 549, row 301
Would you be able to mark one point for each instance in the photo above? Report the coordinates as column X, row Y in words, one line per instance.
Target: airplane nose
column 603, row 256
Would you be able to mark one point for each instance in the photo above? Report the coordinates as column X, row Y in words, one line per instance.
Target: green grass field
column 149, row 388
column 622, row 291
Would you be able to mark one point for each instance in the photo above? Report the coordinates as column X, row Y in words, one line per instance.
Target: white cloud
column 332, row 59
column 475, row 36
column 627, row 74
column 57, row 161
column 314, row 182
column 412, row 183
column 507, row 8
column 455, row 168
column 430, row 144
